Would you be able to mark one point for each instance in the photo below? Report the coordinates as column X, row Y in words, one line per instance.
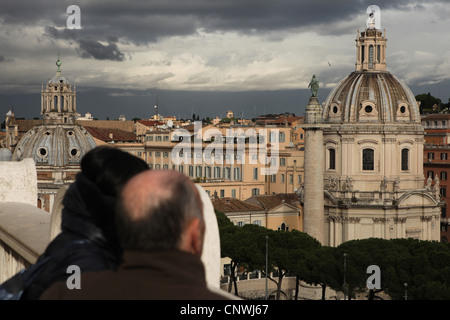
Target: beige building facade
column 277, row 212
column 230, row 161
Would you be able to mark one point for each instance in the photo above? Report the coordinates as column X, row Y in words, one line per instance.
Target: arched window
column 55, row 103
column 378, row 53
column 405, row 159
column 332, row 159
column 371, row 57
column 62, row 103
column 368, row 159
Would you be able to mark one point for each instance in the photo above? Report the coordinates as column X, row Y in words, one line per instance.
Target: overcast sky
column 208, row 56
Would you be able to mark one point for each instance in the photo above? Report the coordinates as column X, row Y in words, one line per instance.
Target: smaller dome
column 54, row 145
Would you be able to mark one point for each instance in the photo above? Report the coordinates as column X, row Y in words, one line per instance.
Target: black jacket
column 88, row 215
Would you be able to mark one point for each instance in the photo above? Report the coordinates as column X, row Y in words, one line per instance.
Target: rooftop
column 435, row 116
column 271, row 201
column 110, row 134
column 234, row 205
column 150, row 123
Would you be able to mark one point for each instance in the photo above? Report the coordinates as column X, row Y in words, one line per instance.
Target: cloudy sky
column 208, row 56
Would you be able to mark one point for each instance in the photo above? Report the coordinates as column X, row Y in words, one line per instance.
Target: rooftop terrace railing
column 24, row 235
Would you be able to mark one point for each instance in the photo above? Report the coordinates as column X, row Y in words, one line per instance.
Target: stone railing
column 24, row 235
column 24, row 228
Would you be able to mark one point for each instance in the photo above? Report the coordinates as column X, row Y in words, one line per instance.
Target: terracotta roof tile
column 150, row 123
column 435, row 116
column 234, row 205
column 283, row 120
column 110, row 134
column 273, row 200
column 128, row 126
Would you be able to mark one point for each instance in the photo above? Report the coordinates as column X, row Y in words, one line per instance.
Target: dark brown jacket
column 168, row 275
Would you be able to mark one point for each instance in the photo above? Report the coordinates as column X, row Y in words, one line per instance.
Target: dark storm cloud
column 21, row 12
column 99, row 51
column 142, row 22
column 65, row 34
column 89, row 48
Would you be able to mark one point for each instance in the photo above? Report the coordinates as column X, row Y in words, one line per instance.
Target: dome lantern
column 58, row 99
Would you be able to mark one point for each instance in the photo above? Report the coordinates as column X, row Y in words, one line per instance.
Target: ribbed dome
column 367, row 96
column 54, row 145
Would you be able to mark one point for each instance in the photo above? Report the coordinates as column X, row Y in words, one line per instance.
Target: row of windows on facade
column 436, row 124
column 221, row 194
column 430, row 156
column 368, row 159
column 442, row 175
column 200, row 172
column 225, row 156
column 282, row 227
column 222, row 173
column 260, row 138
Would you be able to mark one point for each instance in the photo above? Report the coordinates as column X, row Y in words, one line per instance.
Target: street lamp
column 267, row 264
column 406, row 290
column 345, row 279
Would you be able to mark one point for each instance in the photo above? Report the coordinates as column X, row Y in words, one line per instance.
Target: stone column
column 313, row 217
column 314, row 170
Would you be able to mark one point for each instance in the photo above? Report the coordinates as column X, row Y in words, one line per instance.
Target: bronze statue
column 314, row 85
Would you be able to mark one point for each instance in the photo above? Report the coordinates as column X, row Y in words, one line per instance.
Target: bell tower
column 58, row 99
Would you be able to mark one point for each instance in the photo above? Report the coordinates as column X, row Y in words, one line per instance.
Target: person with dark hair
column 161, row 228
column 88, row 237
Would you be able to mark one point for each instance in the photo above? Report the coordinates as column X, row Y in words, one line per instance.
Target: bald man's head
column 159, row 210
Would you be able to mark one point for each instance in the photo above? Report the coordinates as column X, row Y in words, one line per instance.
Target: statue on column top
column 314, row 85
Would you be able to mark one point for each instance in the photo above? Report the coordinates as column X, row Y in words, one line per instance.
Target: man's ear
column 192, row 238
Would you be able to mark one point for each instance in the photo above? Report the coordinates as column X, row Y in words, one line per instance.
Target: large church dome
column 370, row 93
